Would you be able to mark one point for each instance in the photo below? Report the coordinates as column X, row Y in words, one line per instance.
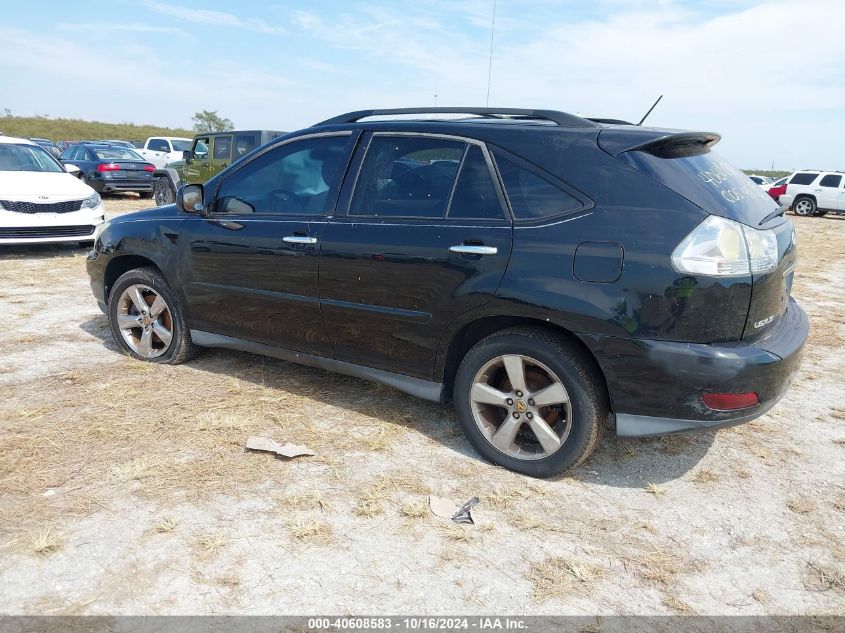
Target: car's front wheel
column 804, row 206
column 163, row 192
column 530, row 401
column 147, row 320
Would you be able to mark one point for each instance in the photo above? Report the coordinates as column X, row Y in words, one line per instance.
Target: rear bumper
column 785, row 200
column 656, row 386
column 107, row 186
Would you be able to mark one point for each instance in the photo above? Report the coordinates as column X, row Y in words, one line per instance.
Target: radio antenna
column 490, row 60
column 650, row 109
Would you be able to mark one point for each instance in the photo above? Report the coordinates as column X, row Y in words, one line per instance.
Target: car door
column 828, row 190
column 156, row 151
column 249, row 264
column 422, row 237
column 196, row 165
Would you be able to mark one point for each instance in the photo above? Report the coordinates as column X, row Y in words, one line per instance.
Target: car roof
column 17, row 141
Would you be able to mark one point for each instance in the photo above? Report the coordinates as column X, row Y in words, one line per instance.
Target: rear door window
column 531, row 196
column 222, row 147
column 407, row 177
column 475, row 194
column 831, row 181
column 803, row 179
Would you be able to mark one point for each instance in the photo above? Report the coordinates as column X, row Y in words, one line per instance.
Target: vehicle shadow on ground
column 23, row 251
column 617, row 462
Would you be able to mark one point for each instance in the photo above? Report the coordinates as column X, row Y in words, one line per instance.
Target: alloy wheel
column 144, row 321
column 803, row 207
column 521, row 407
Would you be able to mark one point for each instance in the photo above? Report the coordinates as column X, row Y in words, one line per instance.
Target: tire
column 122, row 309
column 804, row 206
column 163, row 191
column 145, row 195
column 577, row 424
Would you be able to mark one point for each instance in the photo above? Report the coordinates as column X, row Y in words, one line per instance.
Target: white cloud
column 212, row 18
column 108, row 27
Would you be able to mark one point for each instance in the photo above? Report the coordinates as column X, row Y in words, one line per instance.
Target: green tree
column 210, row 121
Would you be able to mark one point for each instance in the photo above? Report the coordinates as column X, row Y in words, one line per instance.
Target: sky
column 768, row 75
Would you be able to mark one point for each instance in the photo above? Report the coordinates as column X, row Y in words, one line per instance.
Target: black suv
column 550, row 274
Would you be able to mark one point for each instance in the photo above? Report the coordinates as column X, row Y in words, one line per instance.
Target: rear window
column 709, row 181
column 117, row 153
column 830, row 181
column 803, row 179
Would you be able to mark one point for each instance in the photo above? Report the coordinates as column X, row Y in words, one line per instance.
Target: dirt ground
column 125, row 489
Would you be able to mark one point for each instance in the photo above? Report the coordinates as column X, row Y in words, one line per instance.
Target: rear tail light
column 730, row 401
column 149, row 168
column 108, row 167
column 719, row 247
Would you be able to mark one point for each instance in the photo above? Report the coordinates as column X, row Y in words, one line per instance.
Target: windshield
column 710, row 182
column 26, row 158
column 181, row 146
column 117, row 153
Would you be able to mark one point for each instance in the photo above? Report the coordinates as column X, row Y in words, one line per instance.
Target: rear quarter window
column 531, row 196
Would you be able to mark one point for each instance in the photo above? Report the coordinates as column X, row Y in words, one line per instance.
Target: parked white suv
column 811, row 192
column 160, row 150
column 42, row 201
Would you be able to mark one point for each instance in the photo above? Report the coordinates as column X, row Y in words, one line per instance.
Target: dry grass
column 310, row 500
column 558, row 577
column 824, row 577
column 676, row 605
column 414, row 509
column 801, row 505
column 167, row 524
column 654, row 489
column 311, row 531
column 458, row 533
column 704, row 476
column 212, row 543
column 44, row 540
column 370, row 501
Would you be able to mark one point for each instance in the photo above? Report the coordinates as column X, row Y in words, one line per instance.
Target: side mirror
column 190, row 199
column 73, row 170
column 186, row 154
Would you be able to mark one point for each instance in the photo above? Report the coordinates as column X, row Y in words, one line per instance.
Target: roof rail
column 560, row 118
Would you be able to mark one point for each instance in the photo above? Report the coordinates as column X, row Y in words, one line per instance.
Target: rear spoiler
column 660, row 143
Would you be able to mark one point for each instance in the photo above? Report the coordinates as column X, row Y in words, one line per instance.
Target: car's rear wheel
column 163, row 192
column 530, row 401
column 147, row 320
column 804, row 206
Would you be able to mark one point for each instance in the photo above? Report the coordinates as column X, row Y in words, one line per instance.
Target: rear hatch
column 684, row 162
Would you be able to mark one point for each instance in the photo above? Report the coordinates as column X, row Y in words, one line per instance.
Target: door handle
column 299, row 239
column 473, row 249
